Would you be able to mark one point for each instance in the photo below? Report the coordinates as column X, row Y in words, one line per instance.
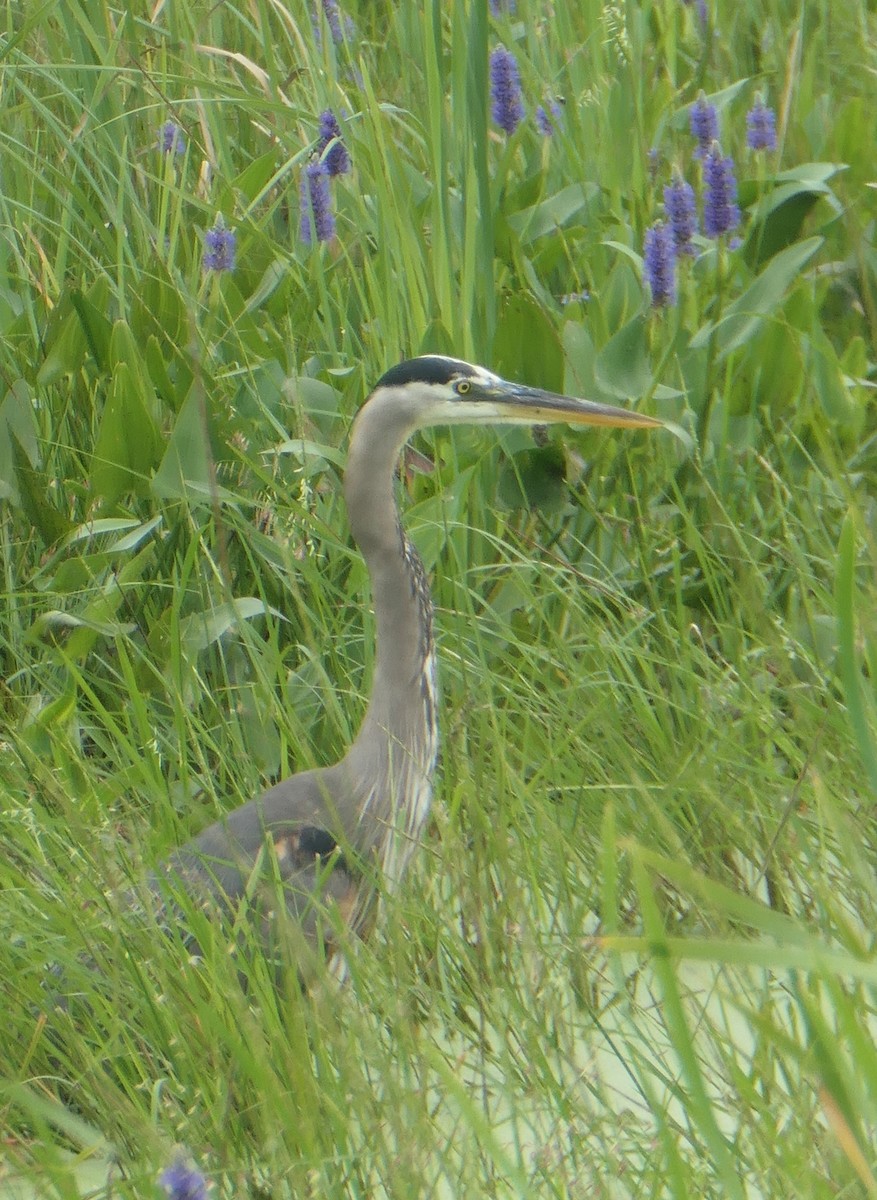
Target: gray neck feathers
column 391, row 761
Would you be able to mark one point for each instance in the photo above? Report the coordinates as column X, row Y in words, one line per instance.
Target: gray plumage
column 328, row 835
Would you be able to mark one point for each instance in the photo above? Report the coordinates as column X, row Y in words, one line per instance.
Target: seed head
column 331, row 149
column 720, row 211
column 220, row 248
column 704, row 124
column 659, row 264
column 681, row 213
column 505, row 90
column 761, row 127
column 317, row 219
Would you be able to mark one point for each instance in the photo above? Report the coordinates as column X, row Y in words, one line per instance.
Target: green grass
column 635, row 956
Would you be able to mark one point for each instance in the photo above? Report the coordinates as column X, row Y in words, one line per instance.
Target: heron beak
column 539, row 407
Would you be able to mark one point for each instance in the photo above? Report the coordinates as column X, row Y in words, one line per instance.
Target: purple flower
column 681, row 213
column 704, row 124
column 171, row 139
column 505, row 90
column 220, row 248
column 498, row 7
column 720, row 211
column 659, row 264
column 761, row 127
column 183, row 1183
column 317, row 218
column 332, row 13
column 580, row 297
column 548, row 117
column 331, row 149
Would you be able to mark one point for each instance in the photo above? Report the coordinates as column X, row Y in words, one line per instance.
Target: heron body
column 325, row 837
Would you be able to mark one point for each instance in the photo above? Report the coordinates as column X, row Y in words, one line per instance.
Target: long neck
column 397, row 742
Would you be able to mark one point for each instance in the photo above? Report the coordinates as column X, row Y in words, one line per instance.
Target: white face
column 472, row 395
column 477, row 397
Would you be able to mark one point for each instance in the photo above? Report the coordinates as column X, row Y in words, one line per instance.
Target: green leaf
column 57, row 619
column 316, row 398
column 128, row 445
column 18, row 421
column 762, row 298
column 187, row 469
column 830, row 385
column 255, row 176
column 833, row 1071
column 33, row 491
column 622, row 367
column 778, row 218
column 552, row 213
column 170, row 392
column 779, row 226
column 526, row 346
column 627, row 251
column 534, row 478
column 578, row 348
column 159, row 310
column 66, row 345
column 811, row 174
column 132, row 539
column 859, row 711
column 95, row 327
column 436, row 339
column 778, row 365
column 274, row 275
column 317, row 454
column 202, row 629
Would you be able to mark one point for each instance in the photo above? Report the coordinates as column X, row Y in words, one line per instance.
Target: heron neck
column 400, row 721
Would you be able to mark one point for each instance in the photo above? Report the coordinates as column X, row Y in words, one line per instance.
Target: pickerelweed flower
column 548, row 116
column 704, row 124
column 761, row 126
column 332, row 12
column 183, row 1183
column 659, row 264
column 332, row 151
column 317, row 218
column 171, row 139
column 505, row 90
column 498, row 7
column 220, row 248
column 720, row 211
column 681, row 213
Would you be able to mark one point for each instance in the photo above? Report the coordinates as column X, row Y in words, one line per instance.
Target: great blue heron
column 322, row 837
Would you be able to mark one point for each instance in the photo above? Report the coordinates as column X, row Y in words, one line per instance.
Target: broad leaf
column 761, row 299
column 622, row 367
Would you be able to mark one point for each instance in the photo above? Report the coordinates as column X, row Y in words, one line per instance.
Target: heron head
column 435, row 390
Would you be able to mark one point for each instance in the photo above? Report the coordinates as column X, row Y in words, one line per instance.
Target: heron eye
column 463, row 386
